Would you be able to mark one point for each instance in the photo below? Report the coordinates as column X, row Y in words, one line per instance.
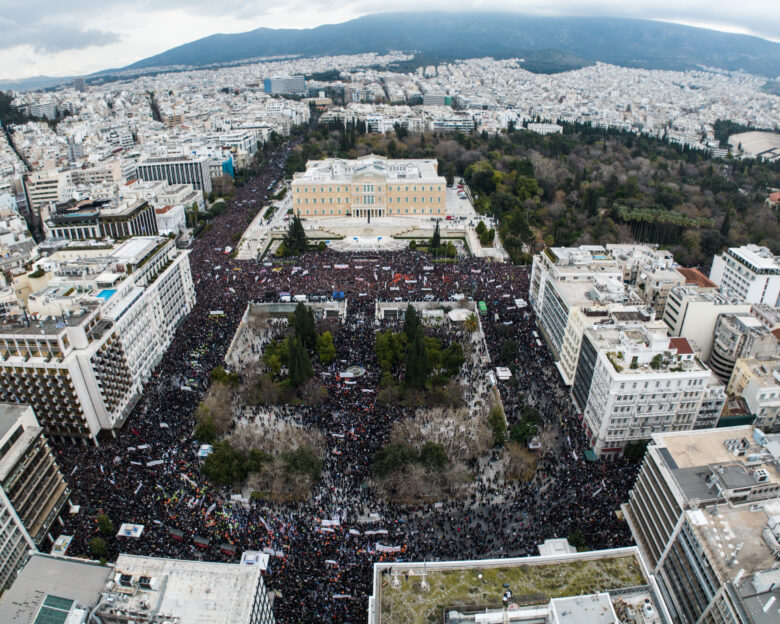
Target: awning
column 590, row 455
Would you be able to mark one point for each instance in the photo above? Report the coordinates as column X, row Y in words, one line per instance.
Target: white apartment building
column 91, row 335
column 751, row 273
column 44, row 188
column 170, row 219
column 692, row 313
column 739, row 336
column 570, row 289
column 632, row 381
column 757, row 380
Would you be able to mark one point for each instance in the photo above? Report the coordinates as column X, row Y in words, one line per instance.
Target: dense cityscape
column 358, row 338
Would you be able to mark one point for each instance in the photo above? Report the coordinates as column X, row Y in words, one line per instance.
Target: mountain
column 577, row 41
column 36, row 82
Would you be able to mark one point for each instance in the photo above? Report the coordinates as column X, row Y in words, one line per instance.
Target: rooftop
column 696, row 277
column 340, row 170
column 195, row 592
column 44, row 577
column 478, row 584
column 10, row 414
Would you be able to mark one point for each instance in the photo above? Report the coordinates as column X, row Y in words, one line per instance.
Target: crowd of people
column 322, row 571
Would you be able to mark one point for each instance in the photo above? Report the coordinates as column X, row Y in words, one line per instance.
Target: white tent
column 458, row 315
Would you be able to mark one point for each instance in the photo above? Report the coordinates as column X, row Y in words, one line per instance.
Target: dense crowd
column 322, row 572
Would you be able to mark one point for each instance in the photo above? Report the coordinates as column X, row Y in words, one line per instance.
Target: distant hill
column 570, row 41
column 36, row 82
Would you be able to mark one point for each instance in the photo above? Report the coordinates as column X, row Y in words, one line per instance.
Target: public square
column 321, row 571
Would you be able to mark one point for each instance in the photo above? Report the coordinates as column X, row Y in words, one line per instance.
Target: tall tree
column 436, row 240
column 412, row 325
column 302, row 321
column 418, row 366
column 295, row 241
column 300, row 364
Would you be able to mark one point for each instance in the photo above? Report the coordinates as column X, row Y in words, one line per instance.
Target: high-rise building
column 285, row 84
column 14, row 538
column 750, row 272
column 29, row 475
column 177, row 170
column 91, row 335
column 79, row 84
column 705, row 511
column 633, row 381
column 739, row 336
column 369, row 186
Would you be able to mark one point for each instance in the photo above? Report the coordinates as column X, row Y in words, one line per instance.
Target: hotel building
column 632, row 381
column 89, row 338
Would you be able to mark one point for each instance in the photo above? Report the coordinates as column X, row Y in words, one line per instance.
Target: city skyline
column 85, row 37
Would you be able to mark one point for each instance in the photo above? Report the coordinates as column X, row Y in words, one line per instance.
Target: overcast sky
column 72, row 37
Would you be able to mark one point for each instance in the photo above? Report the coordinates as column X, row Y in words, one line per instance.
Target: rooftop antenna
column 424, row 585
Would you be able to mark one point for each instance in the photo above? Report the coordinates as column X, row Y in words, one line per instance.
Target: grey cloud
column 50, row 38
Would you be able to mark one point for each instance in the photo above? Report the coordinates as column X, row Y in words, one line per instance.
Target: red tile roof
column 694, row 276
column 682, row 346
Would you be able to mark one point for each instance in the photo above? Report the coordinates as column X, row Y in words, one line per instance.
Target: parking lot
column 457, row 207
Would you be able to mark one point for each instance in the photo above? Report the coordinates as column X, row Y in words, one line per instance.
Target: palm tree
column 471, row 323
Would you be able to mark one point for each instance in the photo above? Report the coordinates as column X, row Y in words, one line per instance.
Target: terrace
column 479, row 585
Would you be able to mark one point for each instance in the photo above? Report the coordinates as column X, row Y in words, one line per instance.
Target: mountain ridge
column 620, row 41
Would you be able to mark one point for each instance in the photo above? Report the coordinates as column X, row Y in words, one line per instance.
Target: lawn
column 530, row 584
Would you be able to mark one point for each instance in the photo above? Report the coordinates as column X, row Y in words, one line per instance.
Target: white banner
column 387, row 549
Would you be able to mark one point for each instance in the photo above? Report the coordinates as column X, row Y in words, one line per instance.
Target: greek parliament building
column 371, row 186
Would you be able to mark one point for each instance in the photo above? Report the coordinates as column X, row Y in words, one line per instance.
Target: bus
column 482, row 306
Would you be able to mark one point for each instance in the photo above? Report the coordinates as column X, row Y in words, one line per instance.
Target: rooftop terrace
column 480, row 584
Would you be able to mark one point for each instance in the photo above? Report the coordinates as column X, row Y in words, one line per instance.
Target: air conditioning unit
column 761, row 475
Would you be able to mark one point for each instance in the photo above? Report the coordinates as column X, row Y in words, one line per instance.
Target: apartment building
column 43, row 188
column 371, row 186
column 739, row 336
column 704, row 513
column 82, row 220
column 692, row 313
column 750, row 273
column 632, row 381
column 757, row 382
column 563, row 295
column 29, row 475
column 88, row 340
column 177, row 170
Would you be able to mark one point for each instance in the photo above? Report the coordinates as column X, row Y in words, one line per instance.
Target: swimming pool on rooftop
column 106, row 294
